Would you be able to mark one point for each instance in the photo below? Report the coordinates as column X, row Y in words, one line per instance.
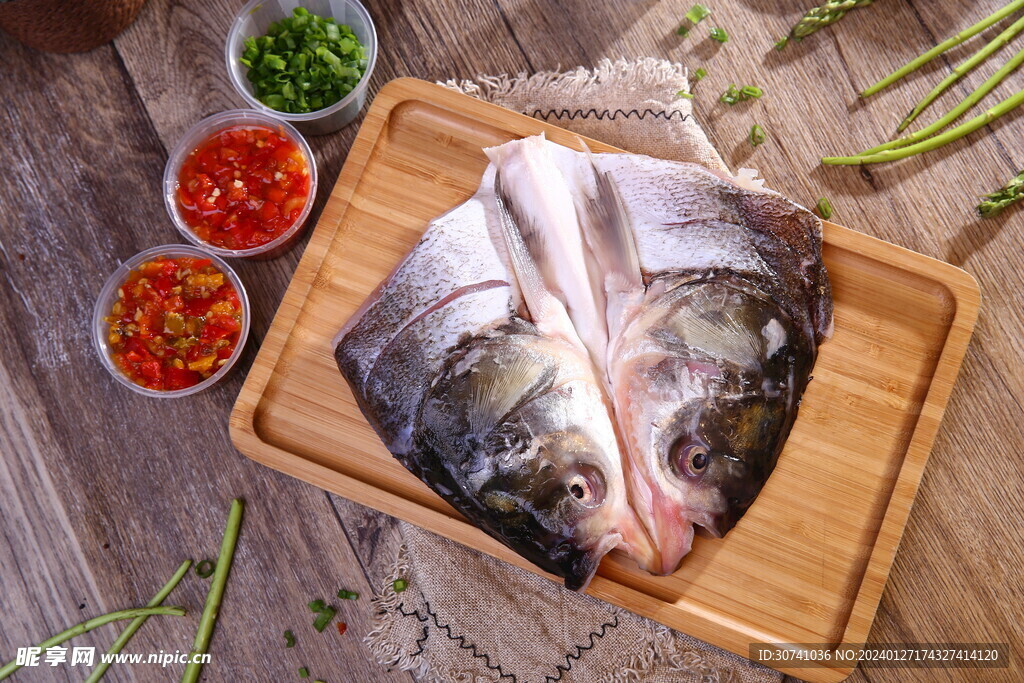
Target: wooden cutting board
column 808, row 562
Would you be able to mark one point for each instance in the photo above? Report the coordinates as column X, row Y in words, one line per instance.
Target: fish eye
column 586, row 487
column 691, row 460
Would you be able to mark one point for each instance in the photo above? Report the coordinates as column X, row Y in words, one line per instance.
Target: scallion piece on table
column 757, row 135
column 90, row 624
column 303, row 672
column 317, row 605
column 697, row 13
column 731, row 96
column 750, row 91
column 993, row 203
column 323, row 618
column 216, row 593
column 303, row 63
column 683, row 30
column 204, row 569
column 289, row 638
column 126, row 635
column 684, row 95
column 824, row 208
column 699, row 74
column 348, row 595
column 400, row 585
column 719, row 34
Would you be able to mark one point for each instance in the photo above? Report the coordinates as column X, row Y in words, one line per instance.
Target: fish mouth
column 673, row 534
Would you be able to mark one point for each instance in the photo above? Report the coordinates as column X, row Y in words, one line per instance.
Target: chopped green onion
column 731, row 96
column 824, row 208
column 289, row 638
column 304, row 63
column 719, row 34
column 324, row 618
column 205, row 569
column 400, row 585
column 757, row 135
column 216, row 593
column 699, row 74
column 781, row 43
column 683, row 30
column 751, row 91
column 303, row 672
column 317, row 605
column 348, row 595
column 318, row 681
column 697, row 13
column 684, row 94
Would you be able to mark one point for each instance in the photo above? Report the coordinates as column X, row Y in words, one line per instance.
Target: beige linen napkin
column 469, row 618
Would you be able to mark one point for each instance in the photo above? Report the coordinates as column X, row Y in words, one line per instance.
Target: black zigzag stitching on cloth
column 601, row 115
column 461, row 640
column 580, row 649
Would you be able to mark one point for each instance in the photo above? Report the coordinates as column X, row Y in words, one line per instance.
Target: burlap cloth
column 470, row 618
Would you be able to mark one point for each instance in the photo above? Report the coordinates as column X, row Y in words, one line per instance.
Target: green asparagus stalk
column 820, row 17
column 981, row 55
column 943, row 46
column 935, row 142
column 137, row 623
column 216, row 593
column 980, row 92
column 88, row 625
column 993, row 203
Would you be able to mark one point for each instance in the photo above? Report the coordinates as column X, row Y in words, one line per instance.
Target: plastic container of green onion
column 254, row 20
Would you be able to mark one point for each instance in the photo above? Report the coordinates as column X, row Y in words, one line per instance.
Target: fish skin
column 506, row 423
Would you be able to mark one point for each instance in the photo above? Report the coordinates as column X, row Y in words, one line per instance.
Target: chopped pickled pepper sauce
column 175, row 322
column 243, row 187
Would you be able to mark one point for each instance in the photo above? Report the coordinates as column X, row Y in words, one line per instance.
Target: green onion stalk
column 931, row 54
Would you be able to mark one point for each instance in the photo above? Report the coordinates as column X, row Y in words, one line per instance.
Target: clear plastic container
column 108, row 295
column 254, row 20
column 202, row 131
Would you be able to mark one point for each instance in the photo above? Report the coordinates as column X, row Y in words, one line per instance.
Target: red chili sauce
column 175, row 323
column 243, row 187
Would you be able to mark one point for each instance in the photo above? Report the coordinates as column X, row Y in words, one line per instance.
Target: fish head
column 515, row 433
column 705, row 385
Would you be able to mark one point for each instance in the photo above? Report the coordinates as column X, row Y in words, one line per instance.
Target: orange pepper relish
column 243, row 187
column 176, row 321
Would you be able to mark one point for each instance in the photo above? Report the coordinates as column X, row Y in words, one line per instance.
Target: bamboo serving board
column 808, row 562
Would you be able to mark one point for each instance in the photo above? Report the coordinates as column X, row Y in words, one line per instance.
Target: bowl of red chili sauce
column 171, row 321
column 241, row 183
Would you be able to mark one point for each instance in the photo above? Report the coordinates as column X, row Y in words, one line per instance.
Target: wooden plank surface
column 87, row 137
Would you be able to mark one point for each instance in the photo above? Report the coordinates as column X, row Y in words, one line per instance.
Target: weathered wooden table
column 102, row 493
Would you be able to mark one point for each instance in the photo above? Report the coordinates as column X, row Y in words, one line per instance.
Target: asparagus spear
column 1012, row 192
column 981, row 55
column 935, row 142
column 943, row 46
column 137, row 623
column 819, row 17
column 215, row 594
column 968, row 102
column 88, row 625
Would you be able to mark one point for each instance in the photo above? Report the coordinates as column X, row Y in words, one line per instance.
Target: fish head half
column 707, row 377
column 516, row 434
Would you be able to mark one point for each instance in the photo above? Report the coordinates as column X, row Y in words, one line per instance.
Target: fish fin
column 606, row 227
column 495, row 394
column 546, row 310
